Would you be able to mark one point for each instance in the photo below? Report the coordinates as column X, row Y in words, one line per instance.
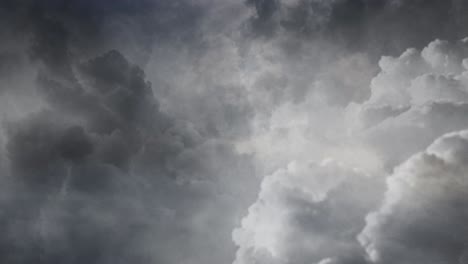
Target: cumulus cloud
column 307, row 213
column 414, row 99
column 140, row 131
column 422, row 216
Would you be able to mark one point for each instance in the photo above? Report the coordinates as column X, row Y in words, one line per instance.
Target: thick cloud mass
column 219, row 131
column 303, row 216
column 103, row 177
column 424, row 211
column 94, row 171
column 307, row 213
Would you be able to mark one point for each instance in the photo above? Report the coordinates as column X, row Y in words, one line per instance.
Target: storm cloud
column 258, row 131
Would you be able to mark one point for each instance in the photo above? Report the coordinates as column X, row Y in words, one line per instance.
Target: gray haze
column 224, row 131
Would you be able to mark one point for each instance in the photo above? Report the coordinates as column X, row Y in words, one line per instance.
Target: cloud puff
column 422, row 216
column 414, row 99
column 307, row 212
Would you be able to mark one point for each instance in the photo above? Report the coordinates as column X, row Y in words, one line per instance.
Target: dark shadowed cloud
column 218, row 131
column 98, row 174
column 375, row 26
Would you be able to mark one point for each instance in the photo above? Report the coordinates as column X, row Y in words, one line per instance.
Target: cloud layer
column 259, row 131
column 335, row 211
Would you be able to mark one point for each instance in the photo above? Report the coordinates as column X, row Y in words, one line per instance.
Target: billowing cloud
column 414, row 99
column 422, row 216
column 94, row 171
column 102, row 176
column 307, row 213
column 360, row 24
column 218, row 131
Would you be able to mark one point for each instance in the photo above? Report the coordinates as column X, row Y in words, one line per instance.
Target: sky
column 233, row 131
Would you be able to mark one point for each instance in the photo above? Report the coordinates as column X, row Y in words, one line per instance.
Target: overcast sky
column 233, row 131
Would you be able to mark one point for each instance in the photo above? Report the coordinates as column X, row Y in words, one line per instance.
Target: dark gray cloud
column 98, row 173
column 138, row 131
column 311, row 36
column 373, row 26
column 88, row 28
column 102, row 176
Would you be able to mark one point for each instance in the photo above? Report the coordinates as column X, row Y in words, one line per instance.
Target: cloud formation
column 218, row 131
column 307, row 213
column 414, row 99
column 94, row 171
column 422, row 216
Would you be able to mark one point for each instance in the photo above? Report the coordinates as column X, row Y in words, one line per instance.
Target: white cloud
column 414, row 99
column 306, row 212
column 423, row 215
